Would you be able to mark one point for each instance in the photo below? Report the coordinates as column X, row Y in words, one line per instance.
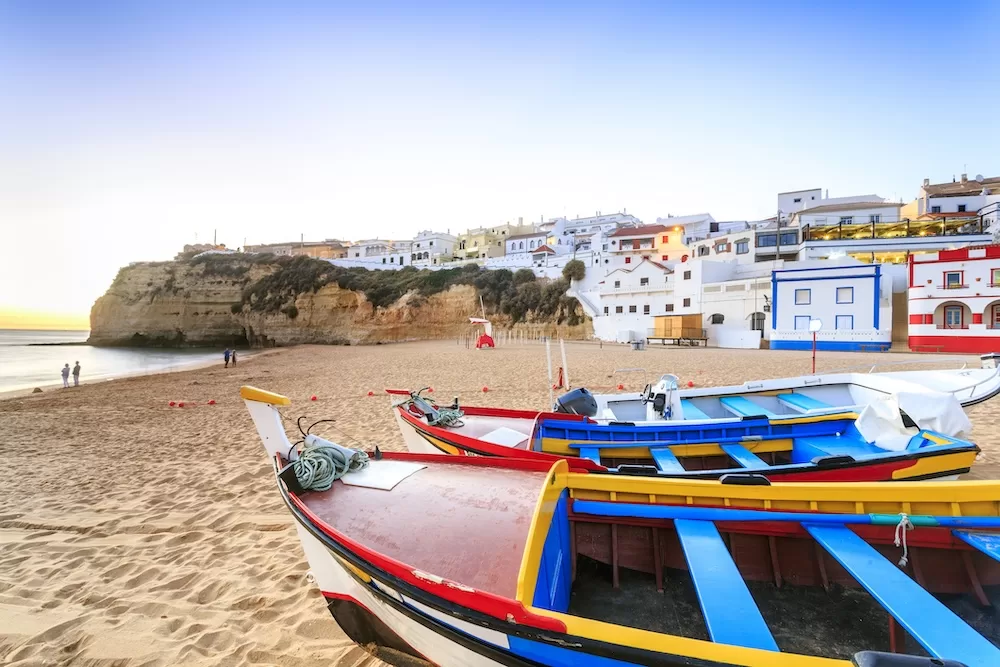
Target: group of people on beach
column 76, row 375
column 229, row 355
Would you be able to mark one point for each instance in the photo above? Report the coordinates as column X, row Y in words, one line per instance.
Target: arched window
column 531, row 245
column 520, row 245
column 716, row 319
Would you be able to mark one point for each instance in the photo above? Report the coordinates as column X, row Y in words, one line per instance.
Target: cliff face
column 184, row 304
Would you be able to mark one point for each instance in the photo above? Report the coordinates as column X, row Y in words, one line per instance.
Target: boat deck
column 465, row 523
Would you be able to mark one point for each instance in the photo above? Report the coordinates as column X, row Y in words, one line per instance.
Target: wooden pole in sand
column 548, row 359
column 562, row 346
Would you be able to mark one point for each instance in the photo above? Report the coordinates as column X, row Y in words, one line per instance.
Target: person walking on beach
column 234, row 357
column 76, row 375
column 225, row 356
column 65, row 376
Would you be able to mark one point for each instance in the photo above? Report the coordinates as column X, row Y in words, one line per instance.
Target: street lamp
column 814, row 326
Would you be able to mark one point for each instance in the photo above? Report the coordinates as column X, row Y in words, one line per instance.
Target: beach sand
column 133, row 533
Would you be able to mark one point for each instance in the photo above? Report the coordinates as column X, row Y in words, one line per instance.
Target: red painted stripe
column 962, row 344
column 481, row 601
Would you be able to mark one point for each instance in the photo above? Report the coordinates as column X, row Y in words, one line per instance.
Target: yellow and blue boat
column 438, row 560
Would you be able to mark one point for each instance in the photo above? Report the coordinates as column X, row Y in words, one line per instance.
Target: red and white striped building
column 954, row 300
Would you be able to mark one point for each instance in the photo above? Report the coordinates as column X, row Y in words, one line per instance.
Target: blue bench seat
column 691, row 411
column 934, row 626
column 731, row 615
column 802, row 402
column 807, row 448
column 744, row 457
column 665, row 459
column 592, row 453
column 744, row 407
column 988, row 543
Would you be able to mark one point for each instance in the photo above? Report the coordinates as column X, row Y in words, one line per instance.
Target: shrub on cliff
column 574, row 270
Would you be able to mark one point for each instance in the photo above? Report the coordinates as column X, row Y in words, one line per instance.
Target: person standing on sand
column 234, row 357
column 76, row 375
column 65, row 376
column 225, row 356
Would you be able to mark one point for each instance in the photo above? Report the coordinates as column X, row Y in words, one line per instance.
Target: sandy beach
column 133, row 533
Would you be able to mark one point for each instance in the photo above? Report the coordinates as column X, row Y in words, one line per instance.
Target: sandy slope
column 132, row 533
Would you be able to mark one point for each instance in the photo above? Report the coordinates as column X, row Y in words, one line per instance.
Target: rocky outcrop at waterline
column 263, row 300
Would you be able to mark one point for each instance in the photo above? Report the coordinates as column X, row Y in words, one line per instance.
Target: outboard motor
column 576, row 402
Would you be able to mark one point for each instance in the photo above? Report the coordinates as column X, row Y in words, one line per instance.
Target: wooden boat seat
column 934, row 626
column 803, row 403
column 589, row 452
column 809, row 447
column 731, row 615
column 988, row 543
column 665, row 459
column 744, row 457
column 690, row 411
column 744, row 407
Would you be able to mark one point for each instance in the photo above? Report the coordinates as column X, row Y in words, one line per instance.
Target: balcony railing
column 953, row 326
column 952, row 286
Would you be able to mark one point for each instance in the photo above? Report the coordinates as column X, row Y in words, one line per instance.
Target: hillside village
column 873, row 272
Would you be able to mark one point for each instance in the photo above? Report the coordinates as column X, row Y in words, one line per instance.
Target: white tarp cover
column 881, row 423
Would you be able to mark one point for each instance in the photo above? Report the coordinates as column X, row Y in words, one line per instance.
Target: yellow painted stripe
column 531, row 560
column 683, row 646
column 932, row 465
column 561, row 447
column 441, row 444
column 261, row 396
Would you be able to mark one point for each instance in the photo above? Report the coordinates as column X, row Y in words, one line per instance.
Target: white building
column 432, row 248
column 525, row 244
column 630, row 298
column 961, row 196
column 954, row 300
column 690, row 227
column 853, row 302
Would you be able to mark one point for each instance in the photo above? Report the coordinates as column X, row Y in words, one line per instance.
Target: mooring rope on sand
column 319, row 466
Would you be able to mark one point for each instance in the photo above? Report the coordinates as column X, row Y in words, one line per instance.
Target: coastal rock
column 185, row 304
column 36, row 390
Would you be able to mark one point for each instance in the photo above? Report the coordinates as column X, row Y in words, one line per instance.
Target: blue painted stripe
column 878, row 270
column 988, row 543
column 557, row 656
column 934, row 626
column 731, row 615
column 831, row 345
column 819, row 268
column 774, row 300
column 797, row 280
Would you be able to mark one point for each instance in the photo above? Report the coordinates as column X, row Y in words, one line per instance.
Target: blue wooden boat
column 436, row 560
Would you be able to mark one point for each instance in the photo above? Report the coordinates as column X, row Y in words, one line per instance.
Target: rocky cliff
column 266, row 301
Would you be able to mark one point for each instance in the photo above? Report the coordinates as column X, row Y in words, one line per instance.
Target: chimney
column 965, row 178
column 927, row 182
column 520, row 221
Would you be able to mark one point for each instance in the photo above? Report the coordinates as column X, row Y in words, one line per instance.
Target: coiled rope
column 319, row 466
column 441, row 416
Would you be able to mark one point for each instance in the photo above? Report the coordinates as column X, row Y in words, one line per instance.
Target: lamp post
column 814, row 326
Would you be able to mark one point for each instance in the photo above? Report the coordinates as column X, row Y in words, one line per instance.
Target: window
column 961, row 208
column 604, row 247
column 847, row 219
column 687, row 303
column 845, row 322
column 789, row 238
column 703, row 251
column 952, row 279
column 618, row 309
column 935, row 209
column 874, row 218
column 670, row 308
column 716, row 319
column 531, row 245
column 666, row 239
column 953, row 317
column 845, row 295
column 645, row 309
column 631, row 309
column 797, row 200
column 431, row 244
column 687, row 275
column 605, row 310
column 802, row 322
column 803, row 297
column 664, row 258
column 720, row 247
column 742, row 247
column 767, row 240
column 628, row 260
column 383, row 260
column 643, row 282
column 520, row 245
column 618, row 284
column 996, row 278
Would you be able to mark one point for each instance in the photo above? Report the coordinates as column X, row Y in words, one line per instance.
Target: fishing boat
column 435, row 560
column 800, row 447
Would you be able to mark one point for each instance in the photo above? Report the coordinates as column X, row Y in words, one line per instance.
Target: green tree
column 574, row 270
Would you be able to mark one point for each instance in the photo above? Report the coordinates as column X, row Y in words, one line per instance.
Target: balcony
column 952, row 286
column 952, row 326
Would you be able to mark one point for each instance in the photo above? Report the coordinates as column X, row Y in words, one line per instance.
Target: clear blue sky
column 127, row 128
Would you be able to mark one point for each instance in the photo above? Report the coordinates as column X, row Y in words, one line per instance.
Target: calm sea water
column 24, row 364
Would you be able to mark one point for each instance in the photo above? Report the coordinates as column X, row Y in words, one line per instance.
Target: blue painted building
column 854, row 303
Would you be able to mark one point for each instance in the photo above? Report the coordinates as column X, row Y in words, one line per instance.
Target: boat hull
column 911, row 466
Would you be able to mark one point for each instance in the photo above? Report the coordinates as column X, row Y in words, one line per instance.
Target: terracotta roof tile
column 647, row 230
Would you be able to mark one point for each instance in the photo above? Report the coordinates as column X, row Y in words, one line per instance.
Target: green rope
column 319, row 466
column 442, row 416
